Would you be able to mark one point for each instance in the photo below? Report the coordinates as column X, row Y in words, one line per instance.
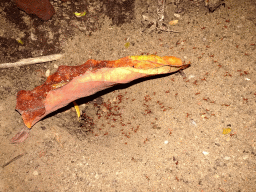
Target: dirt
column 168, row 133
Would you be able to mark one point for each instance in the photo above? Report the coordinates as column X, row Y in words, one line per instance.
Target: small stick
column 30, row 61
column 12, row 160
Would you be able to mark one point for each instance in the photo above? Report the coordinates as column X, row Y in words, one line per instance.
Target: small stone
column 245, row 157
column 227, row 158
column 176, row 15
column 193, row 122
column 35, row 173
column 47, row 73
column 191, row 76
column 33, row 37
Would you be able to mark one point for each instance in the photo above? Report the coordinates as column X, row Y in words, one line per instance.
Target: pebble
column 193, row 122
column 176, row 15
column 245, row 157
column 33, row 37
column 227, row 158
column 35, row 173
column 97, row 176
column 47, row 73
column 191, row 76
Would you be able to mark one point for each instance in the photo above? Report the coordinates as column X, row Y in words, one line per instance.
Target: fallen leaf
column 19, row 41
column 77, row 110
column 80, row 14
column 70, row 83
column 127, row 44
column 20, row 136
column 226, row 131
column 173, row 22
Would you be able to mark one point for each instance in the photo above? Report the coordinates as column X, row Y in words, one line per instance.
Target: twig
column 12, row 160
column 167, row 30
column 30, row 61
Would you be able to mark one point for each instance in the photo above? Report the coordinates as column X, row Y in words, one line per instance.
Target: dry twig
column 30, row 61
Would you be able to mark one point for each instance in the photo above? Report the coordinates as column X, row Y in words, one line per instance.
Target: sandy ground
column 158, row 134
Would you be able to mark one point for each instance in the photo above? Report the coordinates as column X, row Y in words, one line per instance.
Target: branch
column 30, row 61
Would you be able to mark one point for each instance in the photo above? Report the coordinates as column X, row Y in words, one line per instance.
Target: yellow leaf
column 77, row 110
column 127, row 44
column 173, row 22
column 226, row 131
column 80, row 14
column 19, row 41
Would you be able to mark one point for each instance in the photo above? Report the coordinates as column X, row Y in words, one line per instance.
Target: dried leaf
column 70, row 83
column 173, row 22
column 226, row 131
column 21, row 136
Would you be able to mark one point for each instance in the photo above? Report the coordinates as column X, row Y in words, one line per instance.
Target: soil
column 169, row 133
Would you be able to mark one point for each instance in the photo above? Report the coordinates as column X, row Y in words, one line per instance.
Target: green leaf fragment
column 127, row 45
column 80, row 14
column 19, row 41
